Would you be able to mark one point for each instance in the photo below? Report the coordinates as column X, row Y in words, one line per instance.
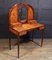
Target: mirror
column 23, row 14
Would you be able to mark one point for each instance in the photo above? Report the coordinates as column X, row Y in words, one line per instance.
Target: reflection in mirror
column 23, row 14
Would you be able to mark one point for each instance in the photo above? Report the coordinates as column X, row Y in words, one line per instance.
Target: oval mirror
column 23, row 14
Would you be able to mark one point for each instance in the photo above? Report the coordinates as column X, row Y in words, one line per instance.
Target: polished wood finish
column 19, row 28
